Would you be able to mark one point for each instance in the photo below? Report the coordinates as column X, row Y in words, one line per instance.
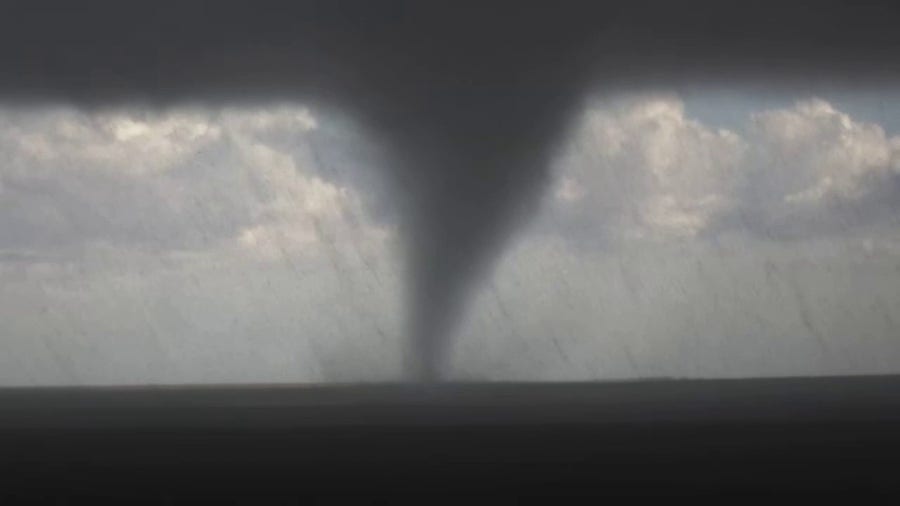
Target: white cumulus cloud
column 173, row 179
column 639, row 167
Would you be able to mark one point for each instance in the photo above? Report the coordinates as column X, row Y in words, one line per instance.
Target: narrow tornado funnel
column 471, row 102
column 473, row 161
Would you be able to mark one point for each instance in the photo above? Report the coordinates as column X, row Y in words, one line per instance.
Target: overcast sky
column 684, row 234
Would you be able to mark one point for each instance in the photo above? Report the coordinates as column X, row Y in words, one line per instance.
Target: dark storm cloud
column 470, row 97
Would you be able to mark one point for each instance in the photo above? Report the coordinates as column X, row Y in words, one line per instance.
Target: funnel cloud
column 470, row 100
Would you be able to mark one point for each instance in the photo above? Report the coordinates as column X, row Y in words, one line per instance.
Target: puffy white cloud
column 814, row 170
column 53, row 139
column 174, row 179
column 639, row 168
column 813, row 150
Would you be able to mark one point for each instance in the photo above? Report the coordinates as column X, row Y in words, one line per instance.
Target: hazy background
column 686, row 233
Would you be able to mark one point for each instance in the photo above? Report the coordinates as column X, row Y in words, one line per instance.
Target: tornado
column 472, row 119
column 472, row 181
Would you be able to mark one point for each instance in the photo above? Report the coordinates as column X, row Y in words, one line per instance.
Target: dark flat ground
column 837, row 399
column 813, row 436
